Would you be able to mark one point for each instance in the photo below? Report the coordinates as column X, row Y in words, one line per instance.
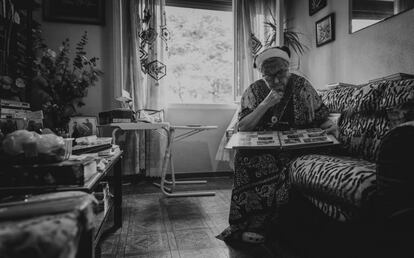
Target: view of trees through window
column 200, row 56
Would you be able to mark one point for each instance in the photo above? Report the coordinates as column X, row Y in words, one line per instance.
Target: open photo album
column 291, row 139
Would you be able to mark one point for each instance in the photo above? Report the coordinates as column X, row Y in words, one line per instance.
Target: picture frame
column 81, row 126
column 315, row 6
column 325, row 30
column 73, row 11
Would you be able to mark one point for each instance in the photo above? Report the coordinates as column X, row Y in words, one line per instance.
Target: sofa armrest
column 395, row 177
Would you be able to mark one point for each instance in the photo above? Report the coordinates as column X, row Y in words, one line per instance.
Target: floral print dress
column 261, row 185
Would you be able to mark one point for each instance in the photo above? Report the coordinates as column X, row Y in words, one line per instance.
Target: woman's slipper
column 253, row 238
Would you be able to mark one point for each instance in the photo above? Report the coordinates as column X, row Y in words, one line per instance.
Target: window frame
column 214, row 5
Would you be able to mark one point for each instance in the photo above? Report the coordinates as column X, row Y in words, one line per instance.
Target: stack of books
column 13, row 109
column 16, row 115
column 337, row 85
column 393, row 77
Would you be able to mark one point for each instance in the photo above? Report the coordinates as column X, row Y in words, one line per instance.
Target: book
column 393, row 77
column 68, row 172
column 252, row 139
column 292, row 139
column 14, row 104
column 337, row 85
column 13, row 113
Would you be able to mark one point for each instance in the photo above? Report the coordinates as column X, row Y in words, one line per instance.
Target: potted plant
column 60, row 83
column 291, row 38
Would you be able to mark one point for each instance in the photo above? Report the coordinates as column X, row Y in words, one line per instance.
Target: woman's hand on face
column 272, row 98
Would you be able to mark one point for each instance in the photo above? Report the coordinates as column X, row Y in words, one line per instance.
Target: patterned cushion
column 361, row 135
column 397, row 94
column 340, row 181
column 366, row 100
column 352, row 100
column 339, row 99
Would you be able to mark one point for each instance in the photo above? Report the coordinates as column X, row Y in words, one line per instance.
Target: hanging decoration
column 148, row 36
column 157, row 70
column 256, row 45
column 142, row 54
column 144, row 65
column 165, row 35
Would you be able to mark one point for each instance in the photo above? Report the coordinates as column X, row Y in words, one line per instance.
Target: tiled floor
column 155, row 226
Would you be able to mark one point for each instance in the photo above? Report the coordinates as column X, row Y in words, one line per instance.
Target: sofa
column 369, row 179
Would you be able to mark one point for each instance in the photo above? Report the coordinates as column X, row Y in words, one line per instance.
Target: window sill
column 201, row 106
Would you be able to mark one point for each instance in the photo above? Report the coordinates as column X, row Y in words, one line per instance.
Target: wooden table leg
column 118, row 193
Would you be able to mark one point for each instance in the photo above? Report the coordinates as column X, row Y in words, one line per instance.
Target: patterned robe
column 260, row 181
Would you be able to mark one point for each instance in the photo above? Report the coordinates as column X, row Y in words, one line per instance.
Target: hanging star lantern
column 157, row 70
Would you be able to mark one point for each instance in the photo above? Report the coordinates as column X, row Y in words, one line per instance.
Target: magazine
column 253, row 139
column 290, row 139
column 304, row 138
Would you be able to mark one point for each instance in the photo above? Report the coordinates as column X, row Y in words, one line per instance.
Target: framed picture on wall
column 315, row 6
column 81, row 126
column 325, row 30
column 75, row 11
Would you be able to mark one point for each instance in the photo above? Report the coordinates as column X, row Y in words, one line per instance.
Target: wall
column 99, row 45
column 194, row 154
column 382, row 49
column 197, row 153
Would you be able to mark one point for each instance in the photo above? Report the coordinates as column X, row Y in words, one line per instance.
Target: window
column 200, row 53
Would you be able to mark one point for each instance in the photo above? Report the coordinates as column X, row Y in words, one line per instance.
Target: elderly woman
column 279, row 101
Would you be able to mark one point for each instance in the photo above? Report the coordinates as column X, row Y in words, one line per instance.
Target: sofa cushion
column 370, row 98
column 340, row 181
column 361, row 135
column 366, row 99
column 369, row 112
column 397, row 94
column 338, row 99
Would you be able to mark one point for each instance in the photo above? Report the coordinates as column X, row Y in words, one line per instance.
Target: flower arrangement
column 60, row 84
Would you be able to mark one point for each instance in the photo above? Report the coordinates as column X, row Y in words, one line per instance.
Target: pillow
column 339, row 99
column 397, row 93
column 367, row 99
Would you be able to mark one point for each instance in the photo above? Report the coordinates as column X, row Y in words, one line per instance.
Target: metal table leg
column 166, row 160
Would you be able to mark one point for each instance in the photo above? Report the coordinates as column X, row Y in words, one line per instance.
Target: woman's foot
column 252, row 237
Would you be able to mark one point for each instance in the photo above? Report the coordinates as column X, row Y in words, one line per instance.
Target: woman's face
column 276, row 72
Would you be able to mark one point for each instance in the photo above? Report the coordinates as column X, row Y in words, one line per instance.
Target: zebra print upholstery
column 343, row 187
column 329, row 180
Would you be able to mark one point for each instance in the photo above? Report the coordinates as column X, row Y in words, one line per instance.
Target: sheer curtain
column 144, row 37
column 250, row 34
